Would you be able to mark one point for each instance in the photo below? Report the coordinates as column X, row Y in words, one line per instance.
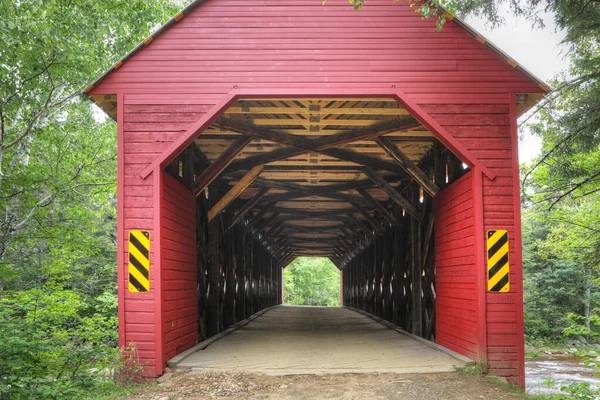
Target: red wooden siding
column 178, row 261
column 456, row 286
column 485, row 130
column 272, row 43
column 137, row 203
column 146, row 134
column 279, row 44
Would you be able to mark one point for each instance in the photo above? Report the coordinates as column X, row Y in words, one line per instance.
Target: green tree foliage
column 561, row 194
column 57, row 193
column 560, row 279
column 311, row 281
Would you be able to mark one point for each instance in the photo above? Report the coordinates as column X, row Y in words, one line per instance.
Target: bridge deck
column 318, row 340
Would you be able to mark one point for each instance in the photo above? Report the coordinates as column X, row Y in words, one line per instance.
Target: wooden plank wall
column 456, row 285
column 147, row 131
column 485, row 130
column 178, row 263
column 275, row 44
column 137, row 323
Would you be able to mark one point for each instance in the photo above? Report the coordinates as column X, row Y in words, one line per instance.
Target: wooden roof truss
column 313, row 177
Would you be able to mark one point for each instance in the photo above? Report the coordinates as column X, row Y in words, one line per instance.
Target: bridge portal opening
column 357, row 181
column 312, row 281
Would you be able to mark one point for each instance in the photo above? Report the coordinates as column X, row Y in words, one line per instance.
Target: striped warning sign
column 497, row 256
column 139, row 261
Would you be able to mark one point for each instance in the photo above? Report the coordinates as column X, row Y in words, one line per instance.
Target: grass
column 114, row 391
column 472, row 369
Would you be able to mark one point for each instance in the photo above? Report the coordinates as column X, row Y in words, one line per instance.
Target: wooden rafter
column 311, row 197
column 379, row 208
column 393, row 193
column 214, row 169
column 234, row 192
column 325, row 145
column 249, row 205
column 376, row 225
column 408, row 165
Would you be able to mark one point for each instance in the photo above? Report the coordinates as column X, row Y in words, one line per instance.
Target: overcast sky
column 537, row 50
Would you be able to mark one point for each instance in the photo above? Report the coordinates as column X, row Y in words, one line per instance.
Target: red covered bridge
column 253, row 132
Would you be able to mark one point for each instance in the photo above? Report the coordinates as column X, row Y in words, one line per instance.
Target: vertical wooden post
column 252, row 278
column 230, row 271
column 377, row 264
column 201, row 265
column 259, row 275
column 416, row 272
column 342, row 287
column 387, row 277
column 360, row 281
column 439, row 166
column 241, row 273
column 399, row 268
column 370, row 269
column 269, row 281
column 282, row 281
column 351, row 268
column 188, row 166
column 214, row 272
column 249, row 275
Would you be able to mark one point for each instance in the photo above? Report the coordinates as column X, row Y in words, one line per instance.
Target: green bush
column 54, row 345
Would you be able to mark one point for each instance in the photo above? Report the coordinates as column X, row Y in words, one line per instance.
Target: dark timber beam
column 264, row 158
column 379, row 208
column 310, row 229
column 408, row 165
column 369, row 132
column 234, row 192
column 360, row 225
column 261, row 225
column 362, row 159
column 302, row 145
column 324, row 142
column 325, row 246
column 256, row 218
column 245, row 128
column 214, row 169
column 249, row 205
column 315, row 219
column 310, row 192
column 312, row 214
column 273, row 184
column 369, row 218
column 416, row 277
column 393, row 193
column 320, row 242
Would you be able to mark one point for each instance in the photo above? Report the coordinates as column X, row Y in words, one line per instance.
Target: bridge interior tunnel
column 358, row 180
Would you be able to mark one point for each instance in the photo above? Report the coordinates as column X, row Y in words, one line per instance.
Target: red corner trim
column 122, row 285
column 480, row 266
column 518, row 260
column 156, row 270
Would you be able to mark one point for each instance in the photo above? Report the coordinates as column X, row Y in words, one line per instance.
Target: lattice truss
column 349, row 179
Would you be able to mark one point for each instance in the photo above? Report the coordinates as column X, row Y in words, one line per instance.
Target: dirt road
column 210, row 385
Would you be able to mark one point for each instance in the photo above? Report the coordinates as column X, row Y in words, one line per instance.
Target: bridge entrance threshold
column 288, row 340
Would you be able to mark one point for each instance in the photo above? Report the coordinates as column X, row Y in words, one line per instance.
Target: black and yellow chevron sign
column 139, row 261
column 498, row 266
